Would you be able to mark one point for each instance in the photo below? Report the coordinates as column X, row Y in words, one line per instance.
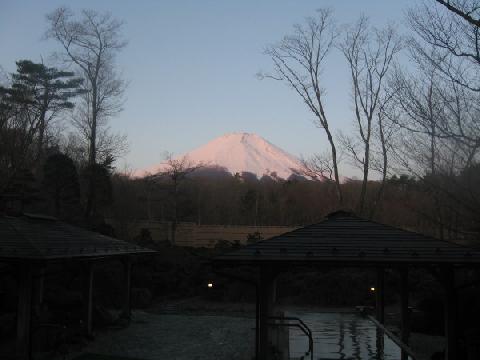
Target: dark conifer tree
column 46, row 91
column 61, row 184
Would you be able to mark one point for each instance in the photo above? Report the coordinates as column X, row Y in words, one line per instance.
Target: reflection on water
column 342, row 336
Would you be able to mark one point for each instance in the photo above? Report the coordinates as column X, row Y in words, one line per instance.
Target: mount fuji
column 237, row 153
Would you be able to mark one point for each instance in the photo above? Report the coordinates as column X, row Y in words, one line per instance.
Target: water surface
column 341, row 336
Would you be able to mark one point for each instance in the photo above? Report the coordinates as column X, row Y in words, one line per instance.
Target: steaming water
column 341, row 336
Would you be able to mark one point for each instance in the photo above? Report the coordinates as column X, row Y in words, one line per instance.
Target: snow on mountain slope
column 239, row 152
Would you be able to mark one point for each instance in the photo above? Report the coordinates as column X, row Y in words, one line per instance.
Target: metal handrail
column 306, row 330
column 301, row 325
column 403, row 347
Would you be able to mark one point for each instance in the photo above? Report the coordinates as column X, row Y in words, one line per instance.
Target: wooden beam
column 127, row 306
column 404, row 312
column 266, row 299
column 24, row 312
column 380, row 296
column 88, row 300
column 450, row 311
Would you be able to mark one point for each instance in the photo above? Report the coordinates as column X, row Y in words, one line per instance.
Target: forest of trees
column 57, row 150
column 415, row 138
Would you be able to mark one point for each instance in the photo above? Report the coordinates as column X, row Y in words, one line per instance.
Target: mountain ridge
column 238, row 152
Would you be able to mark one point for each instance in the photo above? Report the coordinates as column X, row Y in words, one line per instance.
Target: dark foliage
column 61, row 185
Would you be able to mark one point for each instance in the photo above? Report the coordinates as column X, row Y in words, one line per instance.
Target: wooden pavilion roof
column 346, row 239
column 30, row 237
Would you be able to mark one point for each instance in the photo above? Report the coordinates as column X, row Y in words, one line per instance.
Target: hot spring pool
column 345, row 336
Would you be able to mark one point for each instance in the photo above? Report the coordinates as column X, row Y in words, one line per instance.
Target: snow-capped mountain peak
column 239, row 152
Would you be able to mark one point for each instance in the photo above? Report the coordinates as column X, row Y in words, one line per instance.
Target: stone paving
column 179, row 337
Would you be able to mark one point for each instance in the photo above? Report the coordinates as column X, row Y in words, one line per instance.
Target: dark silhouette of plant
column 61, row 184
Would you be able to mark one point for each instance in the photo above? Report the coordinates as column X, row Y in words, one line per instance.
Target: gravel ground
column 179, row 337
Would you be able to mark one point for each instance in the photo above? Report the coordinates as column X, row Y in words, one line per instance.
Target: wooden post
column 380, row 296
column 127, row 308
column 39, row 286
column 380, row 344
column 450, row 311
column 88, row 299
column 24, row 312
column 380, row 309
column 267, row 294
column 404, row 312
column 257, row 321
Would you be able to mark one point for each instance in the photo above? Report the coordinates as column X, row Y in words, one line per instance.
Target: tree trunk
column 366, row 165
column 384, row 169
column 42, row 128
column 335, row 167
column 41, row 135
column 92, row 155
column 175, row 212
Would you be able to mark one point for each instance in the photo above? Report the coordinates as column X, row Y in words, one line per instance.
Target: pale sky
column 192, row 64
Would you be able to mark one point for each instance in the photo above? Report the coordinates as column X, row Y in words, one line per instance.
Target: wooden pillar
column 39, row 286
column 24, row 312
column 380, row 296
column 404, row 311
column 127, row 307
column 380, row 344
column 88, row 299
column 266, row 299
column 450, row 311
column 257, row 321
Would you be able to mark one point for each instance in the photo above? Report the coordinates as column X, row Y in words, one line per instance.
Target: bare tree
column 108, row 143
column 319, row 166
column 453, row 35
column 298, row 60
column 446, row 45
column 380, row 162
column 468, row 10
column 176, row 172
column 439, row 134
column 418, row 98
column 369, row 53
column 90, row 42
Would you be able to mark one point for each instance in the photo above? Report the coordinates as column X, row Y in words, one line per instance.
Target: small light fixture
column 372, row 289
column 210, row 285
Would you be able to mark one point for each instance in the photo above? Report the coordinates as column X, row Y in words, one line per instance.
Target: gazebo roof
column 31, row 237
column 346, row 239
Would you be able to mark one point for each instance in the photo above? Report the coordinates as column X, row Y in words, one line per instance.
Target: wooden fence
column 193, row 235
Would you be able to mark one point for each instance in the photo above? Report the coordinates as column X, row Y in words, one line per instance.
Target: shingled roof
column 43, row 238
column 344, row 238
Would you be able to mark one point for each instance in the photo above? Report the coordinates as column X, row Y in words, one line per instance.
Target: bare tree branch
column 298, row 61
